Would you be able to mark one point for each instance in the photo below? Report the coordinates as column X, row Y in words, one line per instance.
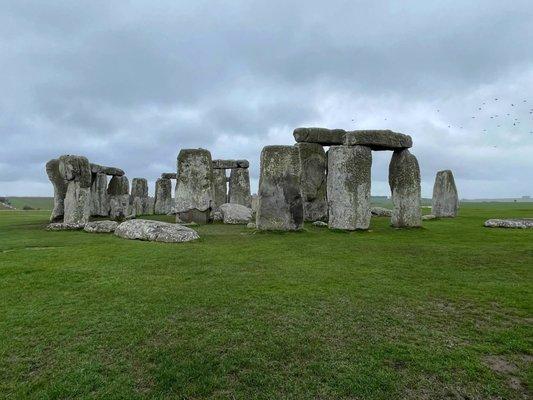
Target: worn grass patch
column 439, row 312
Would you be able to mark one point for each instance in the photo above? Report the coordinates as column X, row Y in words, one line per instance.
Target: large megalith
column 404, row 182
column 119, row 197
column 313, row 166
column 140, row 204
column 194, row 186
column 163, row 196
column 239, row 187
column 220, row 188
column 445, row 197
column 280, row 205
column 99, row 196
column 76, row 170
column 60, row 190
column 348, row 187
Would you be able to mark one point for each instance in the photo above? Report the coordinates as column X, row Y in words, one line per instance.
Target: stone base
column 200, row 217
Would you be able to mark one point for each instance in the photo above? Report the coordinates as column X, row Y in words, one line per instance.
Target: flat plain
column 444, row 311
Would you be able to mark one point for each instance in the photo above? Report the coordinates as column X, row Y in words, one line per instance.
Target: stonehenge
column 163, row 196
column 60, row 190
column 76, row 170
column 99, row 196
column 313, row 167
column 280, row 205
column 220, row 187
column 445, row 197
column 119, row 197
column 140, row 203
column 239, row 187
column 239, row 183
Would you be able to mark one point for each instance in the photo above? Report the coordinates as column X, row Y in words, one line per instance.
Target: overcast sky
column 130, row 83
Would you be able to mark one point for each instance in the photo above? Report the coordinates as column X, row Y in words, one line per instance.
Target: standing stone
column 119, row 197
column 77, row 171
column 404, row 182
column 163, row 196
column 239, row 187
column 194, row 186
column 139, row 196
column 348, row 187
column 313, row 181
column 99, row 196
column 220, row 188
column 60, row 189
column 280, row 205
column 445, row 197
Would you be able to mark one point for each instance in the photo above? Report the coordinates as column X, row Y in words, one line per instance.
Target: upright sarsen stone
column 313, row 166
column 99, row 196
column 139, row 196
column 445, row 197
column 220, row 188
column 348, row 187
column 163, row 196
column 194, row 186
column 60, row 190
column 119, row 197
column 280, row 205
column 239, row 187
column 77, row 171
column 404, row 182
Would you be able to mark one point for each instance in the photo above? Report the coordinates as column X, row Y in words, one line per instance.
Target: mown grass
column 37, row 203
column 367, row 315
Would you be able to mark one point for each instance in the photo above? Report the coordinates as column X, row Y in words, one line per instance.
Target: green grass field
column 38, row 203
column 442, row 312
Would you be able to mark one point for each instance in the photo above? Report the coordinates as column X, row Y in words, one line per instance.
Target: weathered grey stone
column 404, row 182
column 100, row 226
column 521, row 223
column 217, row 216
column 445, row 197
column 323, row 136
column 195, row 185
column 235, row 213
column 163, row 196
column 60, row 189
column 220, row 188
column 169, row 175
column 101, row 169
column 230, row 164
column 119, row 197
column 313, row 166
column 155, row 231
column 255, row 203
column 62, row 226
column 348, row 187
column 99, row 196
column 320, row 224
column 380, row 212
column 251, row 225
column 280, row 205
column 77, row 171
column 428, row 217
column 140, row 204
column 239, row 187
column 378, row 139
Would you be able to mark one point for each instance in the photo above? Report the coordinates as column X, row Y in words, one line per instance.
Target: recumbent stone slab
column 378, row 139
column 155, row 231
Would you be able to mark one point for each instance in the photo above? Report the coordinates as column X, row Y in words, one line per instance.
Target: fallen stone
column 220, row 188
column 119, row 197
column 163, row 196
column 195, row 185
column 380, row 212
column 230, row 164
column 169, row 175
column 445, row 197
column 251, row 225
column 99, row 197
column 521, row 223
column 280, row 205
column 320, row 224
column 62, row 226
column 60, row 189
column 428, row 217
column 313, row 166
column 100, row 226
column 155, row 231
column 77, row 171
column 239, row 187
column 378, row 139
column 404, row 182
column 235, row 213
column 217, row 216
column 348, row 187
column 322, row 136
column 100, row 169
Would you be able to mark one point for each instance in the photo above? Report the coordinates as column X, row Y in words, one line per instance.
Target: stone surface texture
column 445, row 197
column 169, row 175
column 62, row 226
column 220, row 188
column 235, row 213
column 404, row 182
column 313, row 165
column 99, row 196
column 100, row 226
column 381, row 212
column 60, row 189
column 378, row 139
column 119, row 197
column 101, row 169
column 230, row 164
column 77, row 171
column 163, row 196
column 140, row 204
column 322, row 136
column 280, row 204
column 348, row 187
column 520, row 223
column 239, row 187
column 155, row 231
